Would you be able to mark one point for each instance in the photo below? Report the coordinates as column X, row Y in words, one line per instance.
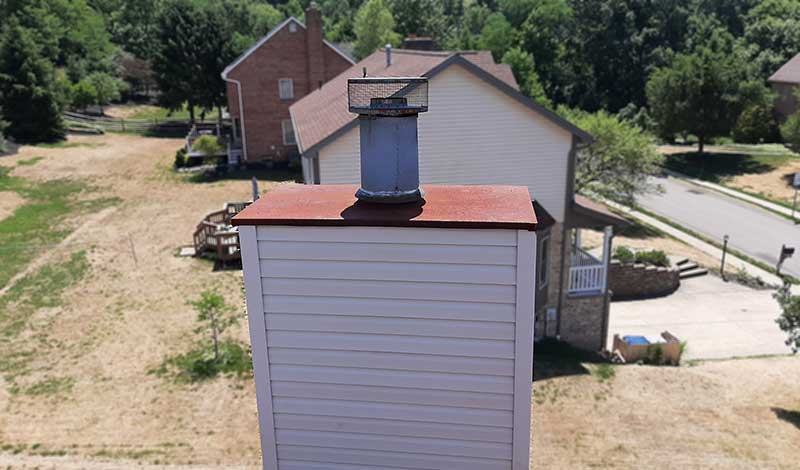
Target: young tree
column 522, row 65
column 374, row 28
column 619, row 162
column 83, row 95
column 497, row 35
column 27, row 87
column 789, row 321
column 215, row 315
column 106, row 88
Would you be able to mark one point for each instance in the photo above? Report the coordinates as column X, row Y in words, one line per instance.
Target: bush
column 199, row 365
column 208, row 145
column 790, row 131
column 624, row 254
column 653, row 257
column 180, row 158
column 755, row 125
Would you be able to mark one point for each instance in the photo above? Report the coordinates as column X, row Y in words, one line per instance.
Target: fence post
column 123, row 124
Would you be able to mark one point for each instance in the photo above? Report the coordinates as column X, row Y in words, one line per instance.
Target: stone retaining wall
column 637, row 281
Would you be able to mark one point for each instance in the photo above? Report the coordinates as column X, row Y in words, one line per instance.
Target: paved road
column 753, row 231
column 716, row 319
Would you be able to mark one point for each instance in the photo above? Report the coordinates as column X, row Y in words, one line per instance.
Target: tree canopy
column 374, row 27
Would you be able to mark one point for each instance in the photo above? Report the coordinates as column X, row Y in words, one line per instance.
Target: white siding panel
column 390, row 427
column 362, row 457
column 422, row 236
column 455, row 448
column 394, row 349
column 393, row 252
column 390, row 308
column 390, row 326
column 393, row 361
column 393, row 378
column 395, row 343
column 379, row 394
column 474, row 134
column 385, row 271
column 390, row 290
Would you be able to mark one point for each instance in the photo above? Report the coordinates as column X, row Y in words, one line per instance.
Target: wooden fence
column 215, row 236
column 166, row 126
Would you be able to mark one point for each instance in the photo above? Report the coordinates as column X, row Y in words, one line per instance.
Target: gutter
column 241, row 112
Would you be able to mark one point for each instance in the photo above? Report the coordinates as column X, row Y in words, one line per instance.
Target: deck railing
column 586, row 274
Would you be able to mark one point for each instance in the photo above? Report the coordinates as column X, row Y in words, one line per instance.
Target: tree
column 215, row 315
column 619, row 163
column 497, row 35
column 517, row 11
column 3, row 125
column 698, row 93
column 83, row 95
column 27, row 87
column 543, row 34
column 374, row 28
column 772, row 26
column 419, row 17
column 106, row 88
column 134, row 26
column 524, row 70
column 789, row 321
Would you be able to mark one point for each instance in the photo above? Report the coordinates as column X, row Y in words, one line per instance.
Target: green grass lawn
column 39, row 222
column 718, row 167
column 159, row 113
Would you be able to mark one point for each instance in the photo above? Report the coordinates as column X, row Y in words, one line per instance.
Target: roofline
column 783, row 82
column 266, row 38
column 583, row 136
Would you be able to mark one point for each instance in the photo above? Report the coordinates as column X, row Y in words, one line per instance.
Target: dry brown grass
column 775, row 184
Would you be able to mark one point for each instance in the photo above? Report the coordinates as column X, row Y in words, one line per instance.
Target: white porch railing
column 586, row 274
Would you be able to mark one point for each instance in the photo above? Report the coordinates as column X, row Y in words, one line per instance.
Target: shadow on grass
column 261, row 174
column 552, row 358
column 638, row 230
column 716, row 167
column 791, row 417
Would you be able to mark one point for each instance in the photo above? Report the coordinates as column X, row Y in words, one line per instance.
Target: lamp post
column 724, row 251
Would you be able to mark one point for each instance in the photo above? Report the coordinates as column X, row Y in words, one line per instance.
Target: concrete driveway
column 717, row 319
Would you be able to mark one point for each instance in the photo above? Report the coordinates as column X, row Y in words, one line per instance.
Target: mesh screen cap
column 387, row 96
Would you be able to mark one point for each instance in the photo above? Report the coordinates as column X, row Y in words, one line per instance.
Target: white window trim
column 284, row 124
column 544, row 260
column 281, row 81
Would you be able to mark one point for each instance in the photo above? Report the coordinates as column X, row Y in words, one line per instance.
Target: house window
column 237, row 129
column 286, row 88
column 292, row 27
column 543, row 262
column 288, row 132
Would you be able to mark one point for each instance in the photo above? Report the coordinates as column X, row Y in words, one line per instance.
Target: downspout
column 241, row 112
column 569, row 184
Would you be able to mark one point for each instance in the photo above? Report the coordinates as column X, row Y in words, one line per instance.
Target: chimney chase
column 388, row 109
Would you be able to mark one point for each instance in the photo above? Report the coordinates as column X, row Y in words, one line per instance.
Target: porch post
column 608, row 233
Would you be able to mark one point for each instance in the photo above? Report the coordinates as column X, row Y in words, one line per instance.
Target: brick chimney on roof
column 314, row 47
column 419, row 43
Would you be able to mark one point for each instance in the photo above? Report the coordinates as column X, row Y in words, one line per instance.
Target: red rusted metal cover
column 506, row 207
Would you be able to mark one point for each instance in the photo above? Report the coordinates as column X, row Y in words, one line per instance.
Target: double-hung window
column 286, row 89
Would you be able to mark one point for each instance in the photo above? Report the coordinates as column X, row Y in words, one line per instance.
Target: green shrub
column 790, row 131
column 199, row 364
column 624, row 254
column 180, row 158
column 755, row 125
column 208, row 145
column 653, row 257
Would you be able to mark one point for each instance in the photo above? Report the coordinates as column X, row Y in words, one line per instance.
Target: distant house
column 786, row 82
column 282, row 67
column 481, row 130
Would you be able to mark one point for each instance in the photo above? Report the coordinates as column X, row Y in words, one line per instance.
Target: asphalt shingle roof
column 789, row 72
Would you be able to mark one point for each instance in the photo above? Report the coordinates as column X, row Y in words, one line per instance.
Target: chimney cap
column 387, row 96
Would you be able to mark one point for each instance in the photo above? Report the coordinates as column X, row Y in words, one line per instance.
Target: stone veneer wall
column 583, row 321
column 632, row 281
column 556, row 235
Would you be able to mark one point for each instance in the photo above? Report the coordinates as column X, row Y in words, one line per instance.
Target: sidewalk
column 734, row 193
column 699, row 244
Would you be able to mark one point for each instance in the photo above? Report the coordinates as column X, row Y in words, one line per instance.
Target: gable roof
column 322, row 115
column 269, row 35
column 789, row 72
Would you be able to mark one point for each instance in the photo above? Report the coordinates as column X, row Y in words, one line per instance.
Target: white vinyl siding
column 288, row 132
column 393, row 346
column 474, row 134
column 286, row 88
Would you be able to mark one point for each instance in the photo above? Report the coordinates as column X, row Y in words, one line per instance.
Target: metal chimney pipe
column 388, row 55
column 388, row 109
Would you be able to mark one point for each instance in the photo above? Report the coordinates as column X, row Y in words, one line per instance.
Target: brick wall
column 299, row 55
column 583, row 321
column 631, row 281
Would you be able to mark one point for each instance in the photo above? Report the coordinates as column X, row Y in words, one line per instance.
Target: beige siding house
column 481, row 130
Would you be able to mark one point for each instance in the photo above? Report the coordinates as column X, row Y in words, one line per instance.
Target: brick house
column 786, row 83
column 481, row 130
column 289, row 62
